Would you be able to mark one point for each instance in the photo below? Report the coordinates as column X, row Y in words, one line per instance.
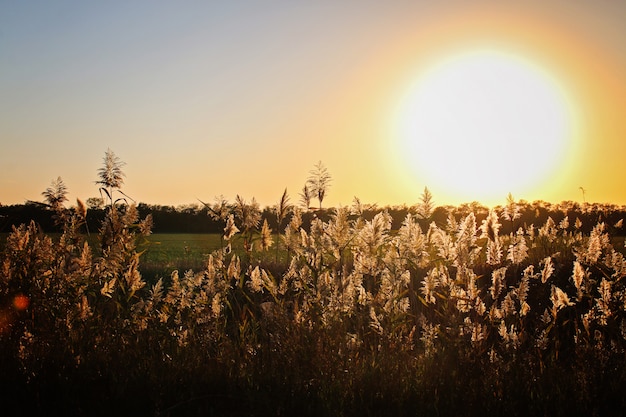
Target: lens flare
column 21, row 302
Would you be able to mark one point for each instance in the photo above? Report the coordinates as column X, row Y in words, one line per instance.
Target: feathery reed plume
column 81, row 212
column 511, row 211
column 425, row 207
column 282, row 209
column 249, row 216
column 430, row 333
column 81, row 209
column 319, row 181
column 564, row 224
column 559, row 299
column 490, row 227
column 375, row 322
column 411, row 242
column 603, row 303
column 597, row 241
column 578, row 223
column 56, row 194
column 549, row 230
column 357, row 207
column 522, row 294
column 518, row 250
column 146, row 225
column 306, row 195
column 497, row 282
column 548, row 269
column 219, row 210
column 111, row 174
column 266, row 236
column 256, row 283
column 578, row 276
column 109, row 286
column 230, row 229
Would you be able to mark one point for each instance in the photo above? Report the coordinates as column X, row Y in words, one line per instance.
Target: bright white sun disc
column 483, row 124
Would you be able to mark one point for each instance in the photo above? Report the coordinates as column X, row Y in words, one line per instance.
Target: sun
column 482, row 124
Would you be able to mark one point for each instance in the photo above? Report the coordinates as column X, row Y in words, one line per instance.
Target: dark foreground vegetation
column 472, row 313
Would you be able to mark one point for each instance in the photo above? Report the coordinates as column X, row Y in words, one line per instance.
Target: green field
column 166, row 252
column 161, row 253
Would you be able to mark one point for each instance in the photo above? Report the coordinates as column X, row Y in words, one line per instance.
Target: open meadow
column 166, row 252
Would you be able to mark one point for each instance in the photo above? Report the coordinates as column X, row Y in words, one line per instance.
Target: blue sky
column 208, row 98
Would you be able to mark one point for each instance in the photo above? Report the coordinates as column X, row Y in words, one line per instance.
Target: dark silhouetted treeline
column 197, row 219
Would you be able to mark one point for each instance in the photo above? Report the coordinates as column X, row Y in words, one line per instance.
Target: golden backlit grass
column 435, row 318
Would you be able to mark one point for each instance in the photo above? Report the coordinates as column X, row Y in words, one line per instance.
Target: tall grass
column 456, row 318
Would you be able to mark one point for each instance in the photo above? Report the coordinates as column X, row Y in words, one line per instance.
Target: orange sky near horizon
column 591, row 78
column 240, row 98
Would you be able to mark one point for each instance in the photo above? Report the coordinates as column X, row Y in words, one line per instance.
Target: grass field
column 166, row 252
column 163, row 253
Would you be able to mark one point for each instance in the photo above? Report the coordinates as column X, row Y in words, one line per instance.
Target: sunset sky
column 203, row 98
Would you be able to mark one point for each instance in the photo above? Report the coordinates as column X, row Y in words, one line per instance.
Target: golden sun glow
column 484, row 123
